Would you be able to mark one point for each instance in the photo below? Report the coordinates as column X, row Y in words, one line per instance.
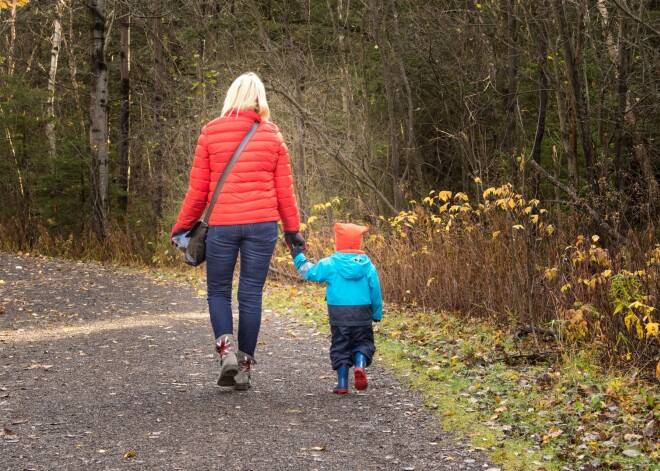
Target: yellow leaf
column 495, row 234
column 550, row 273
column 512, row 204
column 594, row 238
column 311, row 219
column 606, row 273
column 129, row 454
column 566, row 287
column 657, row 371
column 478, row 5
column 477, row 180
column 549, row 230
column 201, row 292
column 651, row 329
column 489, row 191
column 444, row 195
column 518, row 226
column 461, row 196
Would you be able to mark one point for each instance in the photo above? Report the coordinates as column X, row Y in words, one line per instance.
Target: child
column 354, row 300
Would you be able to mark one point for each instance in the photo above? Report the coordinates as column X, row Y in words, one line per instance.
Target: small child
column 354, row 301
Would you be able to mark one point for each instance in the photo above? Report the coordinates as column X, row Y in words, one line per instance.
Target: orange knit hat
column 348, row 237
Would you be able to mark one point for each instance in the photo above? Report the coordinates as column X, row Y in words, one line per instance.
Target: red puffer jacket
column 259, row 187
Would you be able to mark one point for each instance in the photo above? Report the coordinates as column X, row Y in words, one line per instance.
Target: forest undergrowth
column 536, row 338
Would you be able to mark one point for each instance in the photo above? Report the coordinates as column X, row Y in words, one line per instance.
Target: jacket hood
column 351, row 266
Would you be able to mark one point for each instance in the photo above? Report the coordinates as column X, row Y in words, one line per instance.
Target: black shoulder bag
column 195, row 253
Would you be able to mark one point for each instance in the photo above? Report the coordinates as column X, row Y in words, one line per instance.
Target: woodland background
column 505, row 152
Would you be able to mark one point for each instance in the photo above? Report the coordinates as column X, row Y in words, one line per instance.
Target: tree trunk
column 98, row 131
column 52, row 77
column 619, row 56
column 393, row 163
column 563, row 114
column 512, row 91
column 159, row 72
column 73, row 65
column 201, row 49
column 11, row 63
column 124, row 108
column 540, row 123
column 411, row 147
column 579, row 100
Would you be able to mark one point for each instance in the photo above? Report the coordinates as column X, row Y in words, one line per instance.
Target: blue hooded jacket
column 353, row 294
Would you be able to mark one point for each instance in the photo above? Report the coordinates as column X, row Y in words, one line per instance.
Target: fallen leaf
column 130, row 454
column 39, row 365
column 632, row 452
column 318, row 448
column 201, row 292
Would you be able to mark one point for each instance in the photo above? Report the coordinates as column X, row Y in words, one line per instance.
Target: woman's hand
column 295, row 242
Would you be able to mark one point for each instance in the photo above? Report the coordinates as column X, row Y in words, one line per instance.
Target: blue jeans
column 256, row 243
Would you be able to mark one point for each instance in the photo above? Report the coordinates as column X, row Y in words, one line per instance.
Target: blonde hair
column 247, row 92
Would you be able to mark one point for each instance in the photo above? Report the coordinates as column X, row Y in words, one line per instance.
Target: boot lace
column 223, row 346
column 246, row 365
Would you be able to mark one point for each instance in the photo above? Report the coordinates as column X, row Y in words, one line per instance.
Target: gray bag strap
column 225, row 172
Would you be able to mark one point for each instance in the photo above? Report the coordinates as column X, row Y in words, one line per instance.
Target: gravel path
column 106, row 368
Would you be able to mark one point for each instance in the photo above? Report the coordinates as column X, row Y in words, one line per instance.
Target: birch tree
column 52, row 77
column 98, row 113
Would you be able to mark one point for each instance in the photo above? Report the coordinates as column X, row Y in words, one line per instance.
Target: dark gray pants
column 347, row 340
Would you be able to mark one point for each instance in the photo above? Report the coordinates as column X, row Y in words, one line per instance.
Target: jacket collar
column 252, row 115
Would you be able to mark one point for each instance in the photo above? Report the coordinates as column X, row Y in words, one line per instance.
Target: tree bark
column 52, row 77
column 563, row 113
column 11, row 64
column 98, row 131
column 625, row 117
column 394, row 160
column 411, row 147
column 124, row 108
column 159, row 72
column 579, row 100
column 201, row 73
column 512, row 91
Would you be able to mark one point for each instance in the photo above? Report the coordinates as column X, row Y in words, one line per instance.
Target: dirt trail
column 106, row 368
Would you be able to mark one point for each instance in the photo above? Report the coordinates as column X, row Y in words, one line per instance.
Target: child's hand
column 295, row 251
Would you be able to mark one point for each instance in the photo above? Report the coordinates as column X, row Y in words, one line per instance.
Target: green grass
column 556, row 415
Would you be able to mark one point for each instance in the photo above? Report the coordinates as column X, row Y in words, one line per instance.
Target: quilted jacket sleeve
column 321, row 272
column 286, row 198
column 196, row 198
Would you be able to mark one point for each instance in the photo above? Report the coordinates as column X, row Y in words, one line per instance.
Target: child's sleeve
column 376, row 296
column 320, row 272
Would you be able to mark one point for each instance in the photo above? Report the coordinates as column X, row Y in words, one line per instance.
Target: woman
column 257, row 193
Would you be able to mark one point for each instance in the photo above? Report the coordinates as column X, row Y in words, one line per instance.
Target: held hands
column 295, row 243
